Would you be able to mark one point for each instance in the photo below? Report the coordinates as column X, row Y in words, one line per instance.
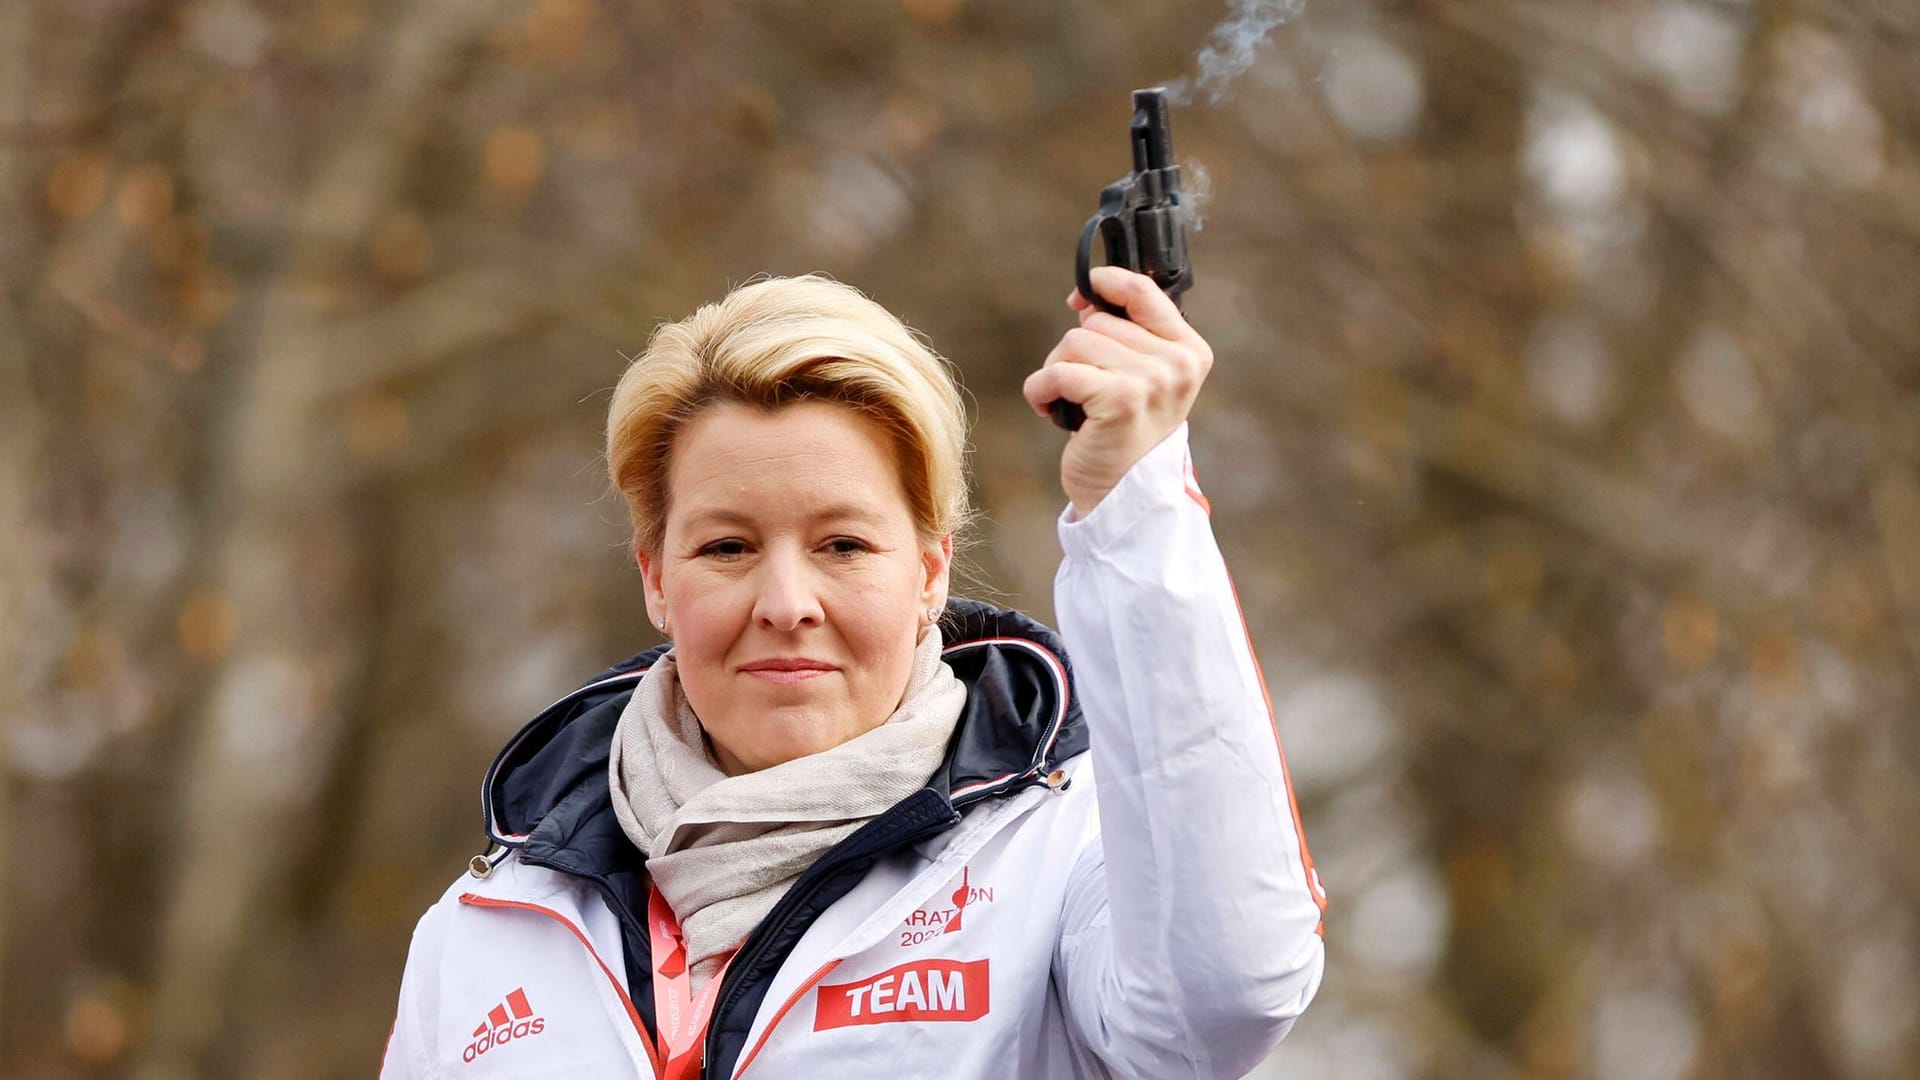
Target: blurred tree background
column 1565, row 438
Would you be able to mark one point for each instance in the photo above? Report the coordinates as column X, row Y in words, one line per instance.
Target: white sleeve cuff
column 1162, row 476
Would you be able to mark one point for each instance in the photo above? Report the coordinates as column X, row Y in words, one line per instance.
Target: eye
column 725, row 549
column 847, row 547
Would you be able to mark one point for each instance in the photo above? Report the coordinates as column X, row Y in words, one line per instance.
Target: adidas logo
column 511, row 1019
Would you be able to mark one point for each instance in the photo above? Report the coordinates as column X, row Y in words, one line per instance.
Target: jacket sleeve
column 1191, row 939
column 411, row 1047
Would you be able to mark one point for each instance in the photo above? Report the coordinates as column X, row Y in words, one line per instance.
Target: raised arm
column 1191, row 939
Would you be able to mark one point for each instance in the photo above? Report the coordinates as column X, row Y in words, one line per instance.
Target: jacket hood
column 547, row 793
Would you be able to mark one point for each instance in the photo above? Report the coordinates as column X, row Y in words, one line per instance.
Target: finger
column 1129, row 333
column 1092, row 388
column 1078, row 302
column 1039, row 396
column 1083, row 346
column 1144, row 302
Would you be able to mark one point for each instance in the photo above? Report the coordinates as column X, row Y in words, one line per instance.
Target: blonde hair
column 775, row 342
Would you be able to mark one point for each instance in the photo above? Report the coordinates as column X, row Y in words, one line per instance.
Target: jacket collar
column 547, row 793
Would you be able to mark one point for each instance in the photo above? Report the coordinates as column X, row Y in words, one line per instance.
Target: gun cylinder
column 1162, row 246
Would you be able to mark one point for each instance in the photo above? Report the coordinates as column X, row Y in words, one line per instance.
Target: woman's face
column 792, row 578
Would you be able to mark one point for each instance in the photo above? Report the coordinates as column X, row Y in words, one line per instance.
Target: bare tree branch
column 266, row 734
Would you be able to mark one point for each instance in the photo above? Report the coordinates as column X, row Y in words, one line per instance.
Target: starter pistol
column 1142, row 222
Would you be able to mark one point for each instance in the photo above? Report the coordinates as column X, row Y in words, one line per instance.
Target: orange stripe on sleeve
column 1299, row 827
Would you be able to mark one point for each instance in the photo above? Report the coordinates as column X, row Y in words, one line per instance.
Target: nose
column 788, row 598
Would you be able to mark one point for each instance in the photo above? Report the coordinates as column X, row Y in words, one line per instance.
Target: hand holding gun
column 1142, row 221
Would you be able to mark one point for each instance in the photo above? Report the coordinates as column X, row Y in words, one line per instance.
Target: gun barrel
column 1152, row 137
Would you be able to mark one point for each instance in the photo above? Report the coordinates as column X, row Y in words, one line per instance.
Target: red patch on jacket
column 922, row 991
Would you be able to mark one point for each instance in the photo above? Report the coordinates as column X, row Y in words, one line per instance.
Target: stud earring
column 661, row 622
column 934, row 613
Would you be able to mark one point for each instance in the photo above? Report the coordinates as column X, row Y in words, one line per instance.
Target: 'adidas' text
column 501, row 1026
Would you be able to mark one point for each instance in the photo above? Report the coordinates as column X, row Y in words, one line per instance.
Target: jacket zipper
column 746, row 1060
column 802, row 891
column 809, row 883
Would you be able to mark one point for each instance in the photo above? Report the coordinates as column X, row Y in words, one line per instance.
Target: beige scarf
column 722, row 849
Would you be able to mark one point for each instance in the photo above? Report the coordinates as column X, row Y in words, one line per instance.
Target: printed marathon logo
column 931, row 922
column 511, row 1019
column 924, row 991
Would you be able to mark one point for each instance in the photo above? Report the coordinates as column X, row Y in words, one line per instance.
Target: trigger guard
column 1083, row 265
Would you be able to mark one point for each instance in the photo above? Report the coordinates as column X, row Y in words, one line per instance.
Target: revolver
column 1142, row 221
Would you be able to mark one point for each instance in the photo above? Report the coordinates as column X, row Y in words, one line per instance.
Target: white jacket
column 1154, row 915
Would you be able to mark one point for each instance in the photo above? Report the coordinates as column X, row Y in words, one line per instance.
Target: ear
column 651, row 578
column 938, row 564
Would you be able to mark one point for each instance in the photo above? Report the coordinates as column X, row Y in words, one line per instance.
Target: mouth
column 787, row 670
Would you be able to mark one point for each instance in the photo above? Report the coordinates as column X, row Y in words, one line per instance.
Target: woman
column 844, row 827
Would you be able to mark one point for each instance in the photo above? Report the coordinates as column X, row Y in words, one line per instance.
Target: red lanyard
column 680, row 1017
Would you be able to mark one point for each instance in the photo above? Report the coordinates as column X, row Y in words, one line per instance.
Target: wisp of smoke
column 1196, row 187
column 1231, row 49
